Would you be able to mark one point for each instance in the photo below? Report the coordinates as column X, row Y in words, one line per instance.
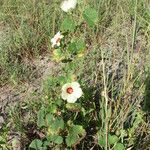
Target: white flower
column 71, row 92
column 68, row 4
column 56, row 39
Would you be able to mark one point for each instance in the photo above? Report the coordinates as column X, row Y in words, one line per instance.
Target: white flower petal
column 68, row 4
column 61, row 36
column 53, row 45
column 64, row 6
column 64, row 95
column 57, row 35
column 78, row 93
column 74, row 95
column 71, row 98
column 56, row 39
column 72, row 3
column 64, row 87
column 52, row 40
column 58, row 44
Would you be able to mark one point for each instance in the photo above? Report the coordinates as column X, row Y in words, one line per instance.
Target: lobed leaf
column 41, row 118
column 68, row 25
column 36, row 144
column 76, row 133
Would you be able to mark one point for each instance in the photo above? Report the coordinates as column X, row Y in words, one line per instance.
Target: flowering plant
column 71, row 92
column 56, row 39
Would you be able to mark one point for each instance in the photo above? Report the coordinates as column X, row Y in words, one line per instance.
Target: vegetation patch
column 74, row 75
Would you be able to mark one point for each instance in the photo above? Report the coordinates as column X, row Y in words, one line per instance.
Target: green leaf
column 101, row 141
column 55, row 126
column 72, row 47
column 80, row 46
column 58, row 54
column 68, row 25
column 58, row 124
column 77, row 129
column 53, row 108
column 40, row 118
column 119, row 146
column 76, row 133
column 58, row 102
column 91, row 16
column 71, row 139
column 36, row 144
column 112, row 139
column 46, row 144
column 77, row 46
column 56, row 139
column 62, row 80
column 49, row 119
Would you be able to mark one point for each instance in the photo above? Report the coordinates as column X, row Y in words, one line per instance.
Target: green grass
column 113, row 73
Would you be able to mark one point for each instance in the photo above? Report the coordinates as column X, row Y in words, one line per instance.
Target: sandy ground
column 44, row 68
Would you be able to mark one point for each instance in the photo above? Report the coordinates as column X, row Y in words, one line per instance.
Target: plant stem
column 106, row 102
